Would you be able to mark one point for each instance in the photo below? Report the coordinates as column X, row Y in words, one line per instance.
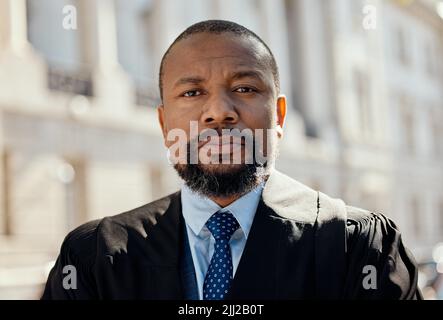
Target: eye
column 245, row 90
column 192, row 93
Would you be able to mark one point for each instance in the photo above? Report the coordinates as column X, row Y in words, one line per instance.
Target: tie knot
column 222, row 225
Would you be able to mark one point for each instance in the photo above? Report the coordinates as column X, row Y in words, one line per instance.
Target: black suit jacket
column 302, row 245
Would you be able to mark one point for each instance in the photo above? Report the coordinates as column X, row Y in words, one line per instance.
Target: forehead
column 206, row 52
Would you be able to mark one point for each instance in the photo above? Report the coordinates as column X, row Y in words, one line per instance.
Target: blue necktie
column 218, row 278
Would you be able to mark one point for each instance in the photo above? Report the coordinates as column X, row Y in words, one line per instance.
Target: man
column 236, row 230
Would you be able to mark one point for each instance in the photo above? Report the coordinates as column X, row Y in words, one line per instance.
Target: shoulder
column 375, row 247
column 364, row 230
column 293, row 200
column 363, row 221
column 111, row 233
column 372, row 230
column 79, row 244
column 140, row 217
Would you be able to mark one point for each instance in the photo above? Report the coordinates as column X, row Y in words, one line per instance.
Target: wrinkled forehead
column 205, row 52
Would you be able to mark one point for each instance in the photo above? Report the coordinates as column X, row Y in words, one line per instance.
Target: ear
column 161, row 120
column 281, row 114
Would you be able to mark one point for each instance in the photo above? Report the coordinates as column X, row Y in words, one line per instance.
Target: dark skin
column 221, row 81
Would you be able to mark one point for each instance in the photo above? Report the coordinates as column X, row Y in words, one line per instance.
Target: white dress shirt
column 197, row 210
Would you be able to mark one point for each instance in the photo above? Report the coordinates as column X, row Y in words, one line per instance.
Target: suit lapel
column 261, row 248
column 187, row 270
column 172, row 273
column 283, row 224
column 164, row 251
column 290, row 199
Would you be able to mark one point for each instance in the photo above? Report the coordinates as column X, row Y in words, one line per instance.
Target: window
column 408, row 132
column 357, row 15
column 362, row 90
column 429, row 59
column 416, row 217
column 407, row 125
column 440, row 230
column 433, row 65
column 296, row 26
column 5, row 180
column 62, row 49
column 293, row 45
column 73, row 176
column 439, row 62
column 402, row 53
column 138, row 47
column 437, row 128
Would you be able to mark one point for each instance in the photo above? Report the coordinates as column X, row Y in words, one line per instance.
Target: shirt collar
column 197, row 209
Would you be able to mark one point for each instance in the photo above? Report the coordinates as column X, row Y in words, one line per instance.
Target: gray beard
column 225, row 183
column 222, row 184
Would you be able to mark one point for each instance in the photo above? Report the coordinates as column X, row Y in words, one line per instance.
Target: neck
column 225, row 201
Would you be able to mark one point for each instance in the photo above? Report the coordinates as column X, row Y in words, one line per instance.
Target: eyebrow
column 189, row 80
column 234, row 76
column 246, row 74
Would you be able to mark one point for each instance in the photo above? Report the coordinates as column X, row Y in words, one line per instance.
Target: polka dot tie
column 218, row 278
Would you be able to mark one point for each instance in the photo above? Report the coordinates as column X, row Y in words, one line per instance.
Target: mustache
column 220, row 136
column 228, row 144
column 192, row 161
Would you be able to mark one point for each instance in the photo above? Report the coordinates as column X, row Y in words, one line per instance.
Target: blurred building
column 79, row 134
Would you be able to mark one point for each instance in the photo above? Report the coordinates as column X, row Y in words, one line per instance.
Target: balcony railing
column 79, row 82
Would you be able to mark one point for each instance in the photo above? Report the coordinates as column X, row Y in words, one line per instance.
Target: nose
column 219, row 111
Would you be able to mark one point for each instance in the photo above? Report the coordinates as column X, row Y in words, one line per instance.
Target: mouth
column 220, row 141
column 221, row 145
